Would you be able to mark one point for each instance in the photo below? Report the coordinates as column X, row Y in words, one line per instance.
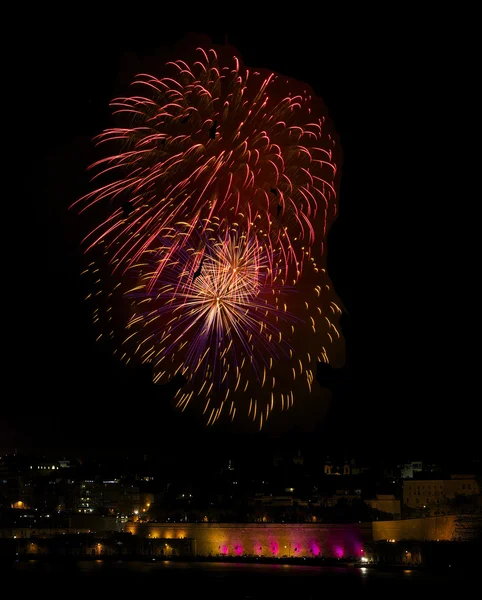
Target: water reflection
column 239, row 580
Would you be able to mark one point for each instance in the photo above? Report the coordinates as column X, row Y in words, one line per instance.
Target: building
column 410, row 469
column 436, row 495
column 112, row 496
column 386, row 503
column 260, row 539
column 343, row 467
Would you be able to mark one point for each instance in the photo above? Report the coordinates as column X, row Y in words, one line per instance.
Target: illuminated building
column 112, row 496
column 435, row 495
column 345, row 467
column 385, row 503
column 259, row 539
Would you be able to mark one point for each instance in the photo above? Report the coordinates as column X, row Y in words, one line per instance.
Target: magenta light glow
column 315, row 549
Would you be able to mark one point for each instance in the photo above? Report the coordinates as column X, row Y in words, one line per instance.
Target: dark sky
column 390, row 100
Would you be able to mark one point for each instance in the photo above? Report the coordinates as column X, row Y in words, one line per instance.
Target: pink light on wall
column 315, row 550
column 339, row 552
column 238, row 550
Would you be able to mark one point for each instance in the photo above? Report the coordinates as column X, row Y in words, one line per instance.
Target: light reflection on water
column 236, row 577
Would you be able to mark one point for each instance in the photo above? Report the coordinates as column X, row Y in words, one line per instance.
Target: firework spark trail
column 270, row 167
column 250, row 353
column 223, row 307
column 230, row 184
column 229, row 328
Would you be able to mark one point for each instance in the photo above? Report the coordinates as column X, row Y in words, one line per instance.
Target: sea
column 174, row 579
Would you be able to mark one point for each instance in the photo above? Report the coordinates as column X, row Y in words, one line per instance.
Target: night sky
column 390, row 104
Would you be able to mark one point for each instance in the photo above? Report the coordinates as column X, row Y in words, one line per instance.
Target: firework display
column 221, row 188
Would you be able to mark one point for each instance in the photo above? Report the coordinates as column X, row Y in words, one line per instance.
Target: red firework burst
column 221, row 188
column 217, row 139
